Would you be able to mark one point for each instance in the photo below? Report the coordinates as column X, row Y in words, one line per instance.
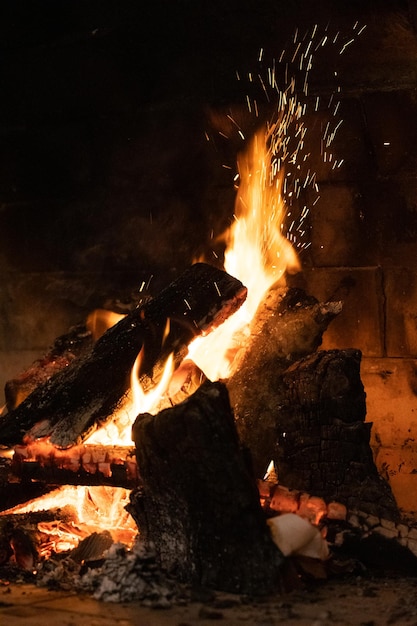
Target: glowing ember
column 88, row 510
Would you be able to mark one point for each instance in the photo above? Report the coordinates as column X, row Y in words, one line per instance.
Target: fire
column 82, row 511
column 257, row 252
column 118, row 430
column 272, row 171
column 101, row 320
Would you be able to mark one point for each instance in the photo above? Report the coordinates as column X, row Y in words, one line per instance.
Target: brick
column 360, row 325
column 401, row 307
column 391, row 402
column 339, row 235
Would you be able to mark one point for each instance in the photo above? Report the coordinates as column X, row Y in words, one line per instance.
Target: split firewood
column 199, row 503
column 74, row 402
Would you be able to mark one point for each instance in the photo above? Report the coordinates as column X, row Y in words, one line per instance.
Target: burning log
column 304, row 409
column 69, row 406
column 310, row 420
column 91, row 465
column 199, row 502
column 64, row 350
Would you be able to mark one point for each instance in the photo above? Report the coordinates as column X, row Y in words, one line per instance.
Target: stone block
column 401, row 312
column 360, row 325
column 339, row 232
column 391, row 401
column 398, row 466
column 388, row 209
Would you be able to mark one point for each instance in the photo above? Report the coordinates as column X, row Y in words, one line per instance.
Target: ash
column 122, row 575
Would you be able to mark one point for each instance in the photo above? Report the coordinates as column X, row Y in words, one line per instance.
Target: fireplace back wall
column 107, row 179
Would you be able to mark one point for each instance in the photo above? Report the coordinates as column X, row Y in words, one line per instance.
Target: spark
column 217, row 288
column 187, row 304
column 296, row 52
column 346, row 45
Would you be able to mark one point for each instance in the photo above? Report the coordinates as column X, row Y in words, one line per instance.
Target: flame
column 84, row 510
column 257, row 253
column 118, row 430
column 100, row 320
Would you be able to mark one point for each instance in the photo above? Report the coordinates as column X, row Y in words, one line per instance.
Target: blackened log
column 310, row 420
column 199, row 503
column 76, row 342
column 288, row 325
column 69, row 406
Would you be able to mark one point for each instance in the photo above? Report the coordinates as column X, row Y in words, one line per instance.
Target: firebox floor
column 356, row 602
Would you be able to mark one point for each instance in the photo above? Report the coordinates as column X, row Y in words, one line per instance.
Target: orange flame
column 257, row 253
column 118, row 430
column 84, row 510
column 101, row 320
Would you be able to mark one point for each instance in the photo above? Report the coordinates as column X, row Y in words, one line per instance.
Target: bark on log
column 199, row 502
column 310, row 420
column 69, row 406
column 65, row 349
column 288, row 325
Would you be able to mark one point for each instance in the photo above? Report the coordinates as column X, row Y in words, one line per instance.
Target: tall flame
column 257, row 253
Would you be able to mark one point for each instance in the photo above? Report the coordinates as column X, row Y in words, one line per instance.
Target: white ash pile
column 122, row 575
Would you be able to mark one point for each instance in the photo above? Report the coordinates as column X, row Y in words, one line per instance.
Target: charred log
column 199, row 502
column 310, row 420
column 65, row 349
column 69, row 406
column 288, row 325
